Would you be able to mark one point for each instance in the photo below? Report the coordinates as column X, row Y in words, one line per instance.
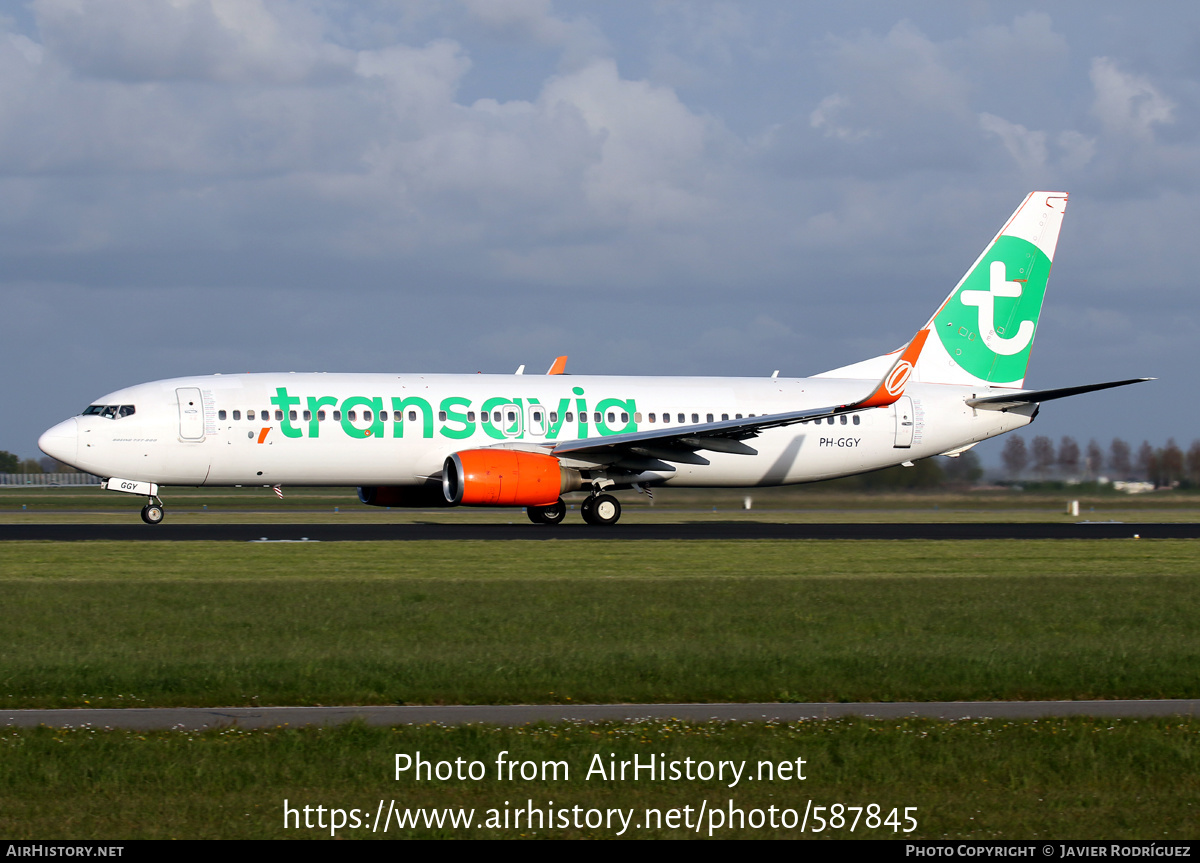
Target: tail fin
column 985, row 328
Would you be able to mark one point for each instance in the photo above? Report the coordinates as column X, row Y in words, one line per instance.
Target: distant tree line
column 1166, row 466
column 10, row 463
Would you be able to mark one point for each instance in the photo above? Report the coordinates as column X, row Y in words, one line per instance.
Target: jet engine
column 505, row 477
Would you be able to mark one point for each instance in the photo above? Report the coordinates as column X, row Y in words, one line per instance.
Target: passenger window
column 681, row 419
column 724, row 417
column 220, row 415
column 307, row 416
column 441, row 416
column 737, row 416
column 570, row 417
column 651, row 417
column 612, row 417
column 320, row 416
column 291, row 415
column 695, row 418
column 278, row 415
column 710, row 419
column 352, row 415
column 249, row 415
column 366, row 416
column 383, row 416
column 596, row 416
column 829, row 421
column 856, row 419
column 843, row 419
column 497, row 416
column 537, row 416
column 624, row 417
column 337, row 416
column 237, row 415
column 470, row 416
column 553, row 416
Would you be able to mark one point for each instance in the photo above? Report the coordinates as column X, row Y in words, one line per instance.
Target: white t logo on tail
column 986, row 301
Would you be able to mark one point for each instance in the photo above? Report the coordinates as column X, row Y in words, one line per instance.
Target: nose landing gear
column 152, row 513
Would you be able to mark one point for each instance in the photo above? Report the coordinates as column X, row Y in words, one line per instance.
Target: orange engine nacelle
column 505, row 477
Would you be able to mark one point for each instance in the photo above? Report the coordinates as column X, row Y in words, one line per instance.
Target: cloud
column 899, row 79
column 198, row 40
column 824, row 117
column 1077, row 150
column 1128, row 104
column 1027, row 148
column 534, row 20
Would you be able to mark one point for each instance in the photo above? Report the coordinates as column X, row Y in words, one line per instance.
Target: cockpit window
column 111, row 412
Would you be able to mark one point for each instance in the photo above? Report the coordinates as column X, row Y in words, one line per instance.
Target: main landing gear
column 601, row 509
column 552, row 514
column 152, row 513
column 596, row 509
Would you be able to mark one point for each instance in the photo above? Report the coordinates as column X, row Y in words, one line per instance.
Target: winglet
column 892, row 386
column 560, row 366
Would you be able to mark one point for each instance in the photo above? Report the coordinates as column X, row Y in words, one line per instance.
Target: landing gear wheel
column 152, row 513
column 601, row 509
column 552, row 514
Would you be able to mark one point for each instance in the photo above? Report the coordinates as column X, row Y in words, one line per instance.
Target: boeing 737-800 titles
column 525, row 440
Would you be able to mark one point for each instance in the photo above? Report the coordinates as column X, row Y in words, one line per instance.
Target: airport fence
column 47, row 480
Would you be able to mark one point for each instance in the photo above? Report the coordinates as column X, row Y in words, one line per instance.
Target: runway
column 684, row 531
column 200, row 718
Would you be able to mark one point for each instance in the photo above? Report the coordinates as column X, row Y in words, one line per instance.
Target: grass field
column 138, row 624
column 1053, row 779
column 513, row 622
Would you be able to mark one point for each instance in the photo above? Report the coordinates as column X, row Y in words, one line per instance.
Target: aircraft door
column 904, row 422
column 191, row 413
column 536, row 423
column 513, row 422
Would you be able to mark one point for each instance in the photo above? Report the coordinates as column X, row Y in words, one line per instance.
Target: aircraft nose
column 61, row 441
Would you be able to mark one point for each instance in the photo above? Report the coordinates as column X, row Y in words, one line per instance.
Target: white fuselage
column 396, row 429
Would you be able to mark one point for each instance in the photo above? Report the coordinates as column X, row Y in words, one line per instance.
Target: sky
column 714, row 188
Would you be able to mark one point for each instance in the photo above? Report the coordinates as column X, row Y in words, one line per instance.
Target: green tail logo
column 989, row 324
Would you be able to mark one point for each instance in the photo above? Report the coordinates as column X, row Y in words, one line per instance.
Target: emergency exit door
column 904, row 422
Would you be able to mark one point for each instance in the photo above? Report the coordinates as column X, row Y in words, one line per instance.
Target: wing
column 650, row 450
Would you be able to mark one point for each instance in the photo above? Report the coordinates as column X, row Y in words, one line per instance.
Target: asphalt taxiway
column 732, row 530
column 200, row 718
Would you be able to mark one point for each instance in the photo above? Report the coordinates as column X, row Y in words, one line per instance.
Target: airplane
column 425, row 440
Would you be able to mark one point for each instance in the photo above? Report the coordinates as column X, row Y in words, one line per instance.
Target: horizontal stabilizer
column 1017, row 399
